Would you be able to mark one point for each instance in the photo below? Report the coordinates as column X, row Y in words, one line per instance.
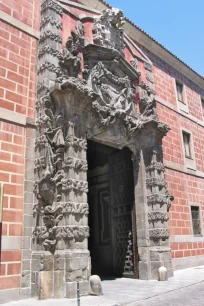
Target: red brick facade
column 18, row 55
column 18, row 82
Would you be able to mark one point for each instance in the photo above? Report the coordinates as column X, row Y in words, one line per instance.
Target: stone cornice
column 188, row 116
column 19, row 25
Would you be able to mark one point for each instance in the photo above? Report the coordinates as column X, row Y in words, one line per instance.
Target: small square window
column 187, row 144
column 195, row 214
column 202, row 104
column 180, row 94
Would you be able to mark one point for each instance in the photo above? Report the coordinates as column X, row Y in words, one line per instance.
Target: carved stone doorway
column 110, row 199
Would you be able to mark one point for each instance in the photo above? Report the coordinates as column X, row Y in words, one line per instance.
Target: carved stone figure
column 69, row 58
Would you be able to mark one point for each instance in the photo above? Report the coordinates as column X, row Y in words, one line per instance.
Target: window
column 195, row 214
column 180, row 95
column 202, row 104
column 187, row 144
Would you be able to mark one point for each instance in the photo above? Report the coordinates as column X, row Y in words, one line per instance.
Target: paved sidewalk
column 126, row 291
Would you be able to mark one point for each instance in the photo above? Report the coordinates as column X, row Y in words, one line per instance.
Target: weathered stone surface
column 46, row 285
column 59, row 284
column 95, row 285
column 163, row 274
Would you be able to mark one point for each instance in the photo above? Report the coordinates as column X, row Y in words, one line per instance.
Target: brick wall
column 18, row 54
column 185, row 185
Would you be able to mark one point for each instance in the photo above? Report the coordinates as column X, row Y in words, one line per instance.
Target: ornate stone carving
column 80, row 28
column 77, row 143
column 159, row 233
column 50, row 67
column 108, row 31
column 134, row 64
column 148, row 66
column 76, row 208
column 75, row 185
column 147, row 101
column 156, row 198
column 50, row 35
column 63, row 208
column 115, row 94
column 50, row 20
column 49, row 238
column 129, row 258
column 69, row 59
column 156, row 181
column 49, row 50
column 53, row 6
column 154, row 165
column 155, row 216
column 77, row 164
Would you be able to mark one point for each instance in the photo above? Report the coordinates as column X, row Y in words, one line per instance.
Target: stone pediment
column 95, row 53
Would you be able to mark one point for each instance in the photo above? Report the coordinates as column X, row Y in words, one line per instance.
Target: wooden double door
column 111, row 199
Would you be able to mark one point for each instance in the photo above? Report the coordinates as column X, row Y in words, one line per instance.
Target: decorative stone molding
column 50, row 20
column 65, row 208
column 159, row 233
column 155, row 216
column 77, row 143
column 50, row 35
column 68, row 233
column 49, row 67
column 52, row 5
column 77, row 164
column 154, row 165
column 155, row 181
column 156, row 199
column 75, row 185
column 48, row 50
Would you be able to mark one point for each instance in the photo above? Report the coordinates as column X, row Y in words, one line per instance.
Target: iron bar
column 78, row 294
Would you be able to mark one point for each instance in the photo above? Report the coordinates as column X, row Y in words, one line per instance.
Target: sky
column 176, row 24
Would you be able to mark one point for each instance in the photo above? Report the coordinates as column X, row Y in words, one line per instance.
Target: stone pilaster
column 152, row 204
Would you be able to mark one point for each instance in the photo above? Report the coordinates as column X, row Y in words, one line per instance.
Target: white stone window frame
column 189, row 163
column 200, row 217
column 201, row 104
column 181, row 106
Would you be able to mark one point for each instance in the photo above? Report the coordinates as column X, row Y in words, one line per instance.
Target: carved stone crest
column 108, row 31
column 115, row 94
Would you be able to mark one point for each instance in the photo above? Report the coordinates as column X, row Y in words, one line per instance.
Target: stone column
column 152, row 202
column 42, row 284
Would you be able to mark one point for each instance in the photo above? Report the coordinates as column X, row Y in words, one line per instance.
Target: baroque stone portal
column 88, row 90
